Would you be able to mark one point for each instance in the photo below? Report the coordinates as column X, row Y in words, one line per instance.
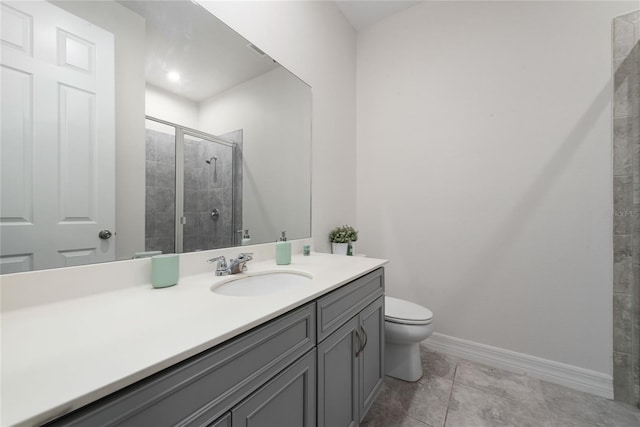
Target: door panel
column 17, row 146
column 78, row 192
column 58, row 146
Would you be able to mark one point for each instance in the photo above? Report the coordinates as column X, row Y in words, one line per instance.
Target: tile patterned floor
column 458, row 393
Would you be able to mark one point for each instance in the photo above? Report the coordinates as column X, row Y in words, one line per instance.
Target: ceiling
column 209, row 56
column 362, row 13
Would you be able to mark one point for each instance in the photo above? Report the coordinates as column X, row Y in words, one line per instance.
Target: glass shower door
column 208, row 193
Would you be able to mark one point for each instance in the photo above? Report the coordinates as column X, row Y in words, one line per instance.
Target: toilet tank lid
column 396, row 308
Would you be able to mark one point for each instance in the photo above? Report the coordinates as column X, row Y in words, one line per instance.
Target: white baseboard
column 570, row 376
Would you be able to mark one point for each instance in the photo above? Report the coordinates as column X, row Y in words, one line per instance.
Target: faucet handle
column 245, row 256
column 239, row 264
column 222, row 261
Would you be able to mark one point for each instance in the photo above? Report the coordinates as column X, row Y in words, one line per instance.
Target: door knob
column 104, row 234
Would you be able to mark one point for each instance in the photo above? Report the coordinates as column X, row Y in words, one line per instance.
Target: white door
column 57, row 153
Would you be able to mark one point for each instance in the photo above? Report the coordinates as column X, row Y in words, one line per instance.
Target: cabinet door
column 338, row 378
column 288, row 400
column 371, row 358
column 224, row 421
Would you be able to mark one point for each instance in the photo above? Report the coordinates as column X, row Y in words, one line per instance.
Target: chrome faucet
column 222, row 269
column 235, row 266
column 239, row 264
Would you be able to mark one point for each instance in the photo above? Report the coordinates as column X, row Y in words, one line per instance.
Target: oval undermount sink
column 256, row 284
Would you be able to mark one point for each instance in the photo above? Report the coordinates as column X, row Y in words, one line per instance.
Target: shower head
column 212, row 158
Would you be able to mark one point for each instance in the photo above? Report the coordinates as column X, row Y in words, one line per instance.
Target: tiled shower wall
column 626, row 220
column 207, row 187
column 160, row 194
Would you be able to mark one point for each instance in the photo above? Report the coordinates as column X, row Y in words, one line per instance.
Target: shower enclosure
column 626, row 204
column 193, row 198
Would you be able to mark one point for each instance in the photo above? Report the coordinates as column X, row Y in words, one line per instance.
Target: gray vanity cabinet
column 371, row 358
column 318, row 365
column 224, row 421
column 288, row 400
column 351, row 357
column 200, row 390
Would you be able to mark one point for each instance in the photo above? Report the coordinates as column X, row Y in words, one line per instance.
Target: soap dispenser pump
column 246, row 239
column 283, row 250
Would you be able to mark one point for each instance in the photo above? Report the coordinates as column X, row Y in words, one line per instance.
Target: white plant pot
column 339, row 248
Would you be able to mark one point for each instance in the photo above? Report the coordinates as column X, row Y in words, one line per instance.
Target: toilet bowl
column 405, row 325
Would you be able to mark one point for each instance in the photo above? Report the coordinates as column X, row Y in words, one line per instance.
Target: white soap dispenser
column 246, row 239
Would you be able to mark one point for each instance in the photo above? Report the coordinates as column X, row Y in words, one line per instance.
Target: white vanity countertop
column 60, row 356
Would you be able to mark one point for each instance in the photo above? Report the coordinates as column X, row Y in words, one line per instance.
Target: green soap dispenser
column 283, row 250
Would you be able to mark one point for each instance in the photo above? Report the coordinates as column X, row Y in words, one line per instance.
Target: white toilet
column 405, row 325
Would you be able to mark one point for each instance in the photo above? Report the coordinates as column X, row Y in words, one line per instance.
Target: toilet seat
column 405, row 312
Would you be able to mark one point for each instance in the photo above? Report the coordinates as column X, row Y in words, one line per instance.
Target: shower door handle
column 105, row 234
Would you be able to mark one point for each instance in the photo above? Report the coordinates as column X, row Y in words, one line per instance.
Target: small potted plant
column 341, row 239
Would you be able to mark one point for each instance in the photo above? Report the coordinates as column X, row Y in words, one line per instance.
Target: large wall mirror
column 138, row 127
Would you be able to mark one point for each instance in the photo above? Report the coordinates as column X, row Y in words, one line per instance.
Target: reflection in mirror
column 208, row 203
column 225, row 146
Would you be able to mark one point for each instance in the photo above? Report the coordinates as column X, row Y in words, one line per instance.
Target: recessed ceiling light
column 173, row 76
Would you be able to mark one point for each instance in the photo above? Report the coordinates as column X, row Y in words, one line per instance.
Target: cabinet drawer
column 334, row 309
column 202, row 388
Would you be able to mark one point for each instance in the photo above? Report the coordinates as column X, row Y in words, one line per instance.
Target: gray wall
column 626, row 222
